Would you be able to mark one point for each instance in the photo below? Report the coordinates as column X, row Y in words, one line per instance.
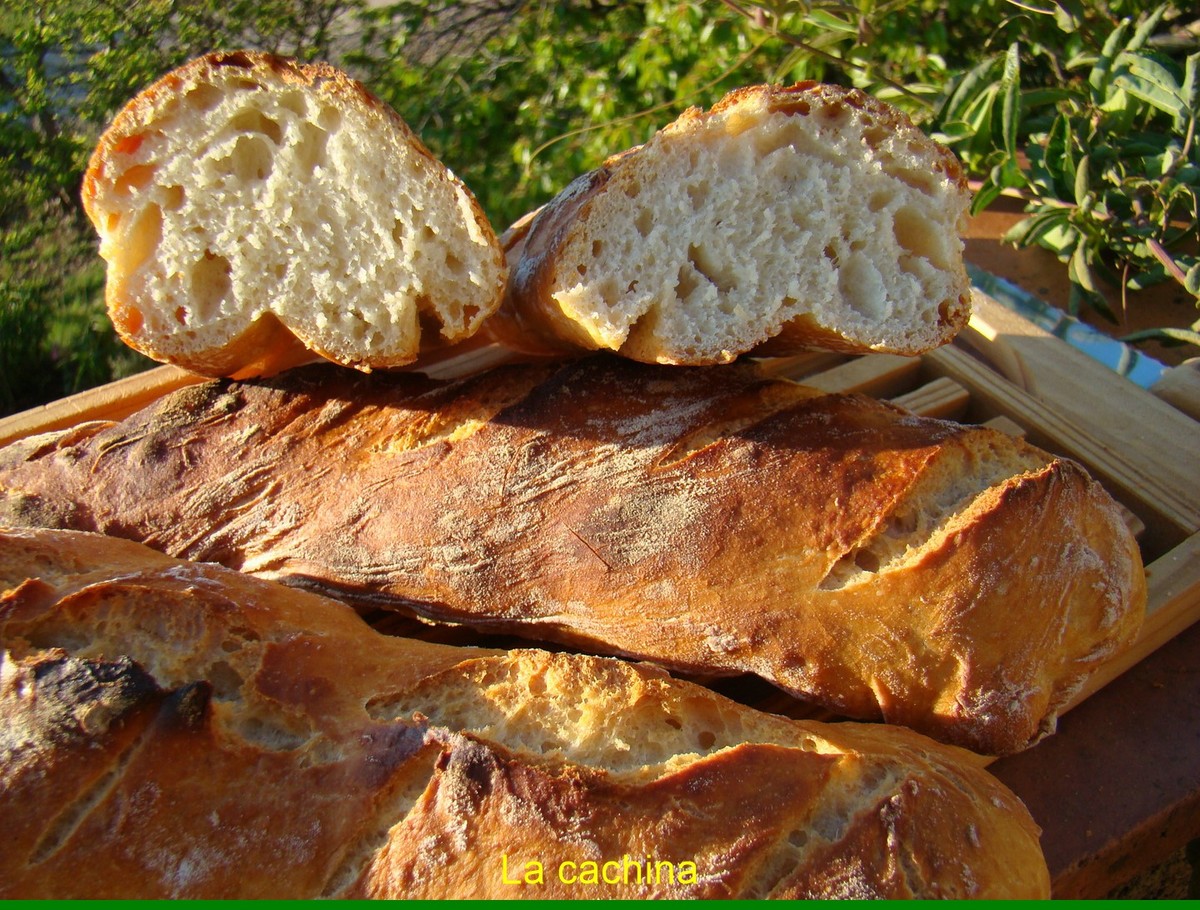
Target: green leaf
column 1149, row 81
column 1029, row 231
column 1099, row 77
column 973, row 84
column 827, row 21
column 987, row 193
column 1187, row 336
column 1146, row 29
column 1190, row 90
column 1080, row 270
column 1082, row 181
column 1010, row 87
column 1191, row 280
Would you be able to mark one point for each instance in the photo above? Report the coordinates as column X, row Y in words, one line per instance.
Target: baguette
column 177, row 730
column 256, row 212
column 889, row 567
column 781, row 219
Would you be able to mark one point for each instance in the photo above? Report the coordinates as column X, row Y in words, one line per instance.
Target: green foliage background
column 519, row 96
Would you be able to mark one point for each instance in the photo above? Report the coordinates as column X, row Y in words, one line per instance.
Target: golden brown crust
column 179, row 730
column 944, row 577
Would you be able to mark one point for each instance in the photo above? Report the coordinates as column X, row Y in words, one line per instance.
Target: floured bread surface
column 810, row 215
column 252, row 210
column 174, row 729
column 945, row 577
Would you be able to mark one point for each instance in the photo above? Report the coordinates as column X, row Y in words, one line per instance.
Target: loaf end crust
column 782, row 219
column 257, row 212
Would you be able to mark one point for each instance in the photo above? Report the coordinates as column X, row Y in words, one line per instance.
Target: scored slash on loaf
column 944, row 577
column 256, row 212
column 178, row 730
column 781, row 219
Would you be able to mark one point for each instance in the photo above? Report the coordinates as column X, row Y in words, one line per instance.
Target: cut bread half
column 255, row 212
column 781, row 219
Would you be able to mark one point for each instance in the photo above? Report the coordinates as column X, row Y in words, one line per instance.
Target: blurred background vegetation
column 1085, row 111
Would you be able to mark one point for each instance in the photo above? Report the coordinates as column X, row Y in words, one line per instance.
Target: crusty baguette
column 781, row 219
column 173, row 729
column 948, row 578
column 255, row 212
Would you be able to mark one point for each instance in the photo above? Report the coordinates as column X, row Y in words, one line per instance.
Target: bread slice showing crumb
column 787, row 217
column 254, row 211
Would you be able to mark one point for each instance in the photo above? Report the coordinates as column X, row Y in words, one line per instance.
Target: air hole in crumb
column 127, row 319
column 798, row 838
column 428, row 233
column 687, row 281
column 697, row 195
column 673, row 722
column 706, row 739
column 246, row 85
column 455, row 265
column 876, row 202
column 172, row 197
column 597, row 248
column 398, row 233
column 249, row 159
column 211, row 285
column 581, row 269
column 831, row 254
column 129, row 144
column 644, row 222
column 802, row 108
column 252, row 121
column 142, row 238
column 874, row 137
column 866, row 560
column 181, row 315
column 135, row 178
column 225, row 680
column 310, row 147
column 329, row 119
column 913, row 234
column 833, row 112
column 203, row 97
column 632, row 188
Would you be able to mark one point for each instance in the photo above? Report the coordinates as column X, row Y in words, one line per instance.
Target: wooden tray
column 1002, row 371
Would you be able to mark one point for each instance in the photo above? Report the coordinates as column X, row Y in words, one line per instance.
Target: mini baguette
column 944, row 577
column 780, row 220
column 256, row 212
column 178, row 730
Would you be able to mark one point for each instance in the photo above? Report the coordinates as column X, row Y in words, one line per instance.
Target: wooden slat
column 800, row 366
column 943, row 398
column 1146, row 482
column 881, row 375
column 1005, row 425
column 1127, row 435
column 107, row 402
